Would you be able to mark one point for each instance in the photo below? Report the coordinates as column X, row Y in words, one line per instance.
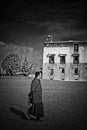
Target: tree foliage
column 26, row 67
column 31, row 59
column 11, row 64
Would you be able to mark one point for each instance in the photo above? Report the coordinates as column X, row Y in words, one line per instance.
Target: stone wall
column 69, row 72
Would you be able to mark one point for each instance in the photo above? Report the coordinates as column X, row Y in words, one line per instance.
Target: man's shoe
column 28, row 118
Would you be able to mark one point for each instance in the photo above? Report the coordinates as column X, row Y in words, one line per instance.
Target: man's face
column 39, row 76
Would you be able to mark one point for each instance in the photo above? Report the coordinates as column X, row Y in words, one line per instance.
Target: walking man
column 36, row 110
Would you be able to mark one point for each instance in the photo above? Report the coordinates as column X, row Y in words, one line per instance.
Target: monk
column 36, row 110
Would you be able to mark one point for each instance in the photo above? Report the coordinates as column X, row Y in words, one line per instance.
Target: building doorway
column 76, row 73
column 51, row 74
column 62, row 73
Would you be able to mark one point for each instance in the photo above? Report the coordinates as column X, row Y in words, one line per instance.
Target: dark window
column 75, row 59
column 76, row 71
column 51, row 59
column 63, row 70
column 51, row 71
column 76, row 47
column 62, row 59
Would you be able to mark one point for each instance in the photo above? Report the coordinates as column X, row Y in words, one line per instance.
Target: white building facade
column 65, row 60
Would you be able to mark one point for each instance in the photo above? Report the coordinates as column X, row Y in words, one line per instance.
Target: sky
column 28, row 23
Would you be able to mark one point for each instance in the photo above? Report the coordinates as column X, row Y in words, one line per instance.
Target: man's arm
column 34, row 85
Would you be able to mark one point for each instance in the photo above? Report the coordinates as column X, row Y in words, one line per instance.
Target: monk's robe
column 36, row 90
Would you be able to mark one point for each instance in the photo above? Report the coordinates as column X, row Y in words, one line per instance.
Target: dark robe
column 36, row 90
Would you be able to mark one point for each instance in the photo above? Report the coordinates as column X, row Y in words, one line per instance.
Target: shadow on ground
column 18, row 112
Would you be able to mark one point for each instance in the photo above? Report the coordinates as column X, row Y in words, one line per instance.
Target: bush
column 11, row 64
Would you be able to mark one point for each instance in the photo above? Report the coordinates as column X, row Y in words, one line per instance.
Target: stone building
column 65, row 60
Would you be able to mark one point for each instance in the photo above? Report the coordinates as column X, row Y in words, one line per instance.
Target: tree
column 26, row 67
column 11, row 64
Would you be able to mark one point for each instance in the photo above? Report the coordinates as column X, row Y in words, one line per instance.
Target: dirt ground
column 65, row 105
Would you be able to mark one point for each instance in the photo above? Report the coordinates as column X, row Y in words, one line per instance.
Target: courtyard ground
column 65, row 104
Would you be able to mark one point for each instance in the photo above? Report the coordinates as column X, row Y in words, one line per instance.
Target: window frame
column 76, row 71
column 49, row 56
column 76, row 61
column 51, row 59
column 76, row 47
column 63, row 70
column 51, row 72
column 63, row 59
